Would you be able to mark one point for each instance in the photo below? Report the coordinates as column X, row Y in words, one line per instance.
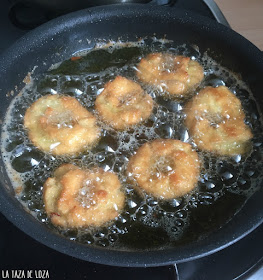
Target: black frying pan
column 128, row 22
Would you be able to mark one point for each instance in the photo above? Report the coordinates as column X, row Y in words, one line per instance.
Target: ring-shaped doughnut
column 123, row 103
column 175, row 75
column 77, row 197
column 60, row 125
column 165, row 168
column 215, row 120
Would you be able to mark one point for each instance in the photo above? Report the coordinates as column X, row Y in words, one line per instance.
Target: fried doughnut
column 215, row 120
column 76, row 197
column 60, row 125
column 165, row 168
column 123, row 103
column 176, row 75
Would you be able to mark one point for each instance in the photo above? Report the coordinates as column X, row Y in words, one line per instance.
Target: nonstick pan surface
column 62, row 37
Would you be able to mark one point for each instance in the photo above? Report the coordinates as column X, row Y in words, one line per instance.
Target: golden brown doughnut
column 77, row 197
column 123, row 103
column 215, row 120
column 60, row 125
column 176, row 75
column 165, row 168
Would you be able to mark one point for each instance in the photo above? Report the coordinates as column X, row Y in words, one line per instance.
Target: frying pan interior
column 60, row 39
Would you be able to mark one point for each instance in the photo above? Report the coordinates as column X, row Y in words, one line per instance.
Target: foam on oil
column 225, row 183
